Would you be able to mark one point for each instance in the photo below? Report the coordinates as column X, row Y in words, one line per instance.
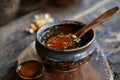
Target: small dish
column 30, row 69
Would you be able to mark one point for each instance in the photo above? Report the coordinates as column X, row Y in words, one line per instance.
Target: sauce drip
column 30, row 69
column 61, row 41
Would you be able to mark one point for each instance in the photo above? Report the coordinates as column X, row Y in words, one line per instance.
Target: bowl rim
column 49, row 25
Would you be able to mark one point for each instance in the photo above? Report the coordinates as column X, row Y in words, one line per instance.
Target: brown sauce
column 30, row 69
column 61, row 41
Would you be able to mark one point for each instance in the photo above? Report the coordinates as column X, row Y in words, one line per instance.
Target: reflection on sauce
column 30, row 69
column 61, row 41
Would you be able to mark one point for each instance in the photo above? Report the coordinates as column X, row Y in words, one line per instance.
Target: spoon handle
column 105, row 16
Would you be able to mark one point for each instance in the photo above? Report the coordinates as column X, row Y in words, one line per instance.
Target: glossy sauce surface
column 61, row 41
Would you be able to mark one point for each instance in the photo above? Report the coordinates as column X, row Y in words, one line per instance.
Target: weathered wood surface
column 96, row 69
column 13, row 39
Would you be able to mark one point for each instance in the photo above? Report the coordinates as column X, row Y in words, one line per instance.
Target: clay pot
column 68, row 59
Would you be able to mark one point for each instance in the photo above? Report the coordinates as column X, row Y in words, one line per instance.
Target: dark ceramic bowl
column 67, row 59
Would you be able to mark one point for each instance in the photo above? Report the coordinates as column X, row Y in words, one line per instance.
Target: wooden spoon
column 65, row 41
column 105, row 16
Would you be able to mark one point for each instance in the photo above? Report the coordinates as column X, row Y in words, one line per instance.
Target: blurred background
column 12, row 9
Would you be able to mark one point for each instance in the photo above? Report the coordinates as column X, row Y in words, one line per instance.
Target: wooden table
column 13, row 38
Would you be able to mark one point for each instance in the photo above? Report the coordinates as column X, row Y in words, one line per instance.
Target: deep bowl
column 66, row 59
